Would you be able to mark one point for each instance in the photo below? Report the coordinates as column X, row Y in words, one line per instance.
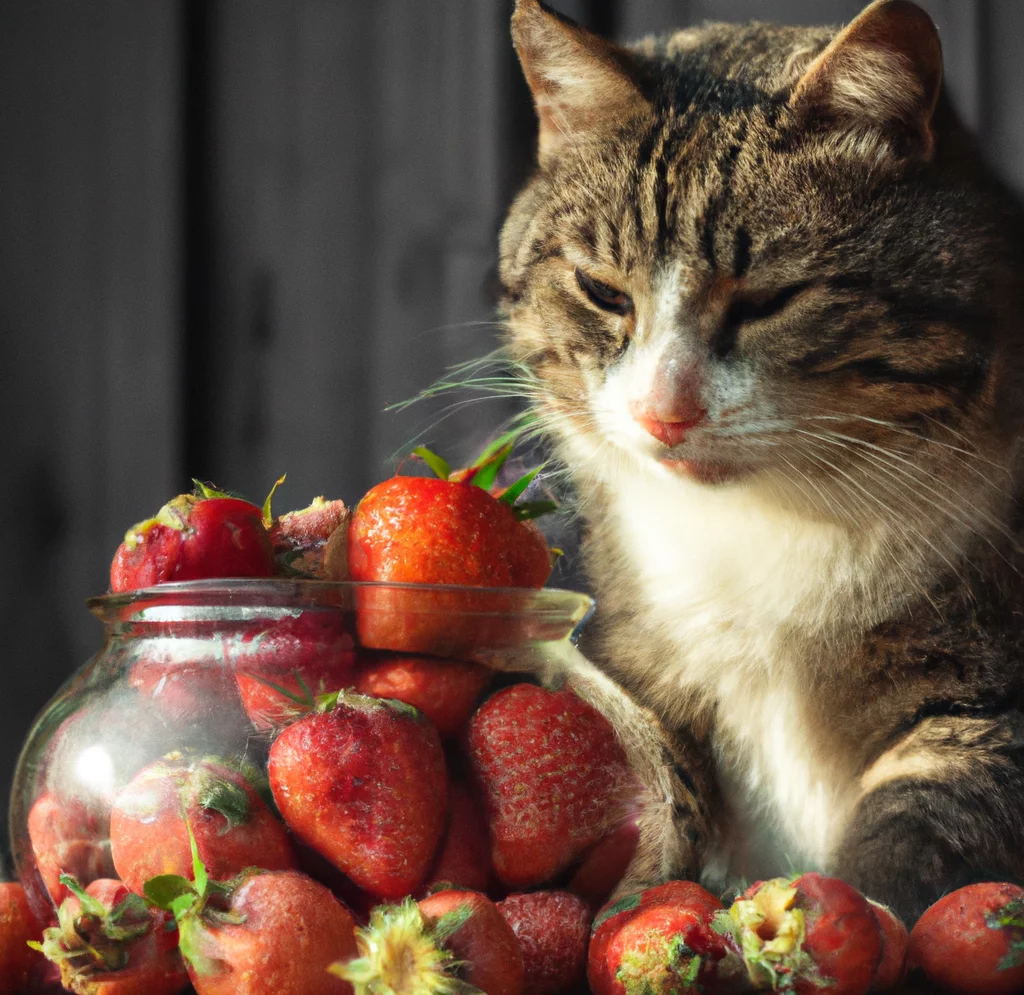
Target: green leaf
column 514, row 491
column 182, row 904
column 206, row 491
column 452, row 921
column 226, row 797
column 91, row 906
column 309, row 702
column 485, row 474
column 268, row 517
column 202, row 879
column 622, row 905
column 505, row 440
column 533, row 509
column 163, row 890
column 36, row 945
column 436, row 463
column 190, row 943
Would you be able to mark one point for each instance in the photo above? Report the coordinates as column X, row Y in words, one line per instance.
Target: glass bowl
column 211, row 668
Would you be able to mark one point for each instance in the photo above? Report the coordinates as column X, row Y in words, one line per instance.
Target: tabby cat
column 769, row 302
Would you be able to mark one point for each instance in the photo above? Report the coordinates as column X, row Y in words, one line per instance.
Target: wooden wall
column 234, row 231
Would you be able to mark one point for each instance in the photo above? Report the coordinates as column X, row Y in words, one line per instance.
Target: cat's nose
column 671, row 405
column 673, row 432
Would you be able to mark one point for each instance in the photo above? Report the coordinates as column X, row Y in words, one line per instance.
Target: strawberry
column 193, row 537
column 234, row 828
column 107, row 942
column 465, row 857
column 281, row 666
column 18, row 927
column 665, row 940
column 808, row 934
column 68, row 836
column 893, row 966
column 445, row 691
column 605, row 864
column 451, row 942
column 182, row 677
column 446, row 531
column 262, row 933
column 312, row 542
column 553, row 928
column 554, row 778
column 362, row 781
column 971, row 941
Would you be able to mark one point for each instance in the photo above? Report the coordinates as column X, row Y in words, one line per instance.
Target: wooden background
column 234, row 231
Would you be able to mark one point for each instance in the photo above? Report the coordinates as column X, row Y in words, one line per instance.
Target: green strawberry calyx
column 1010, row 918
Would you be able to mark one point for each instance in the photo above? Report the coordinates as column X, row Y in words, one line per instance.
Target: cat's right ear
column 581, row 83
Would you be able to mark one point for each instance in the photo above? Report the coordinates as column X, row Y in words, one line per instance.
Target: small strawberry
column 893, row 966
column 554, row 777
column 362, row 781
column 666, row 940
column 465, row 857
column 194, row 537
column 451, row 943
column 808, row 934
column 445, row 691
column 234, row 828
column 18, row 927
column 68, row 836
column 553, row 928
column 605, row 864
column 280, row 667
column 312, row 542
column 108, row 942
column 971, row 941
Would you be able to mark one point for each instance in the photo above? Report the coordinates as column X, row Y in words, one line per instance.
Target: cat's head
column 754, row 253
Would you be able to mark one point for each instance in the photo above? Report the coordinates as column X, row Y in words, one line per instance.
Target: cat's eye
column 603, row 295
column 745, row 312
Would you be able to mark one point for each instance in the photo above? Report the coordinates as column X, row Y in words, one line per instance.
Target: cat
column 767, row 300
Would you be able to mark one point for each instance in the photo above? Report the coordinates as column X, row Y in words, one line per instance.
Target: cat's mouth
column 704, row 471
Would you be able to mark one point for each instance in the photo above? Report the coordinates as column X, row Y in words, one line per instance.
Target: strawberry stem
column 268, row 517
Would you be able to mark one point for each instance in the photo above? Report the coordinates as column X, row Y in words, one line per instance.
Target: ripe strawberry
column 233, row 827
column 193, row 537
column 183, row 677
column 263, row 933
column 666, row 939
column 605, row 864
column 18, row 927
column 445, row 691
column 279, row 668
column 312, row 542
column 971, row 941
column 107, row 942
column 554, row 777
column 68, row 837
column 553, row 928
column 893, row 967
column 810, row 934
column 453, row 941
column 465, row 857
column 362, row 781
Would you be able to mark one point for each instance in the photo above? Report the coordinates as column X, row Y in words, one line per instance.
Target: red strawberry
column 452, row 941
column 362, row 781
column 465, row 857
column 183, row 677
column 971, row 941
column 445, row 691
column 665, row 939
column 893, row 967
column 604, row 865
column 107, row 942
column 265, row 933
column 312, row 542
column 554, row 777
column 194, row 537
column 553, row 928
column 18, row 926
column 233, row 827
column 281, row 667
column 811, row 933
column 68, row 837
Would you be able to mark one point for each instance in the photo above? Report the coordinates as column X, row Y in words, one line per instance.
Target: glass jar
column 212, row 668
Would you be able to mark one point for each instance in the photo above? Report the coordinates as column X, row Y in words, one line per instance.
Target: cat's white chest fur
column 741, row 589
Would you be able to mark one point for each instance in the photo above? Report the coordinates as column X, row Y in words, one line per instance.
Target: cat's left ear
column 883, row 71
column 581, row 84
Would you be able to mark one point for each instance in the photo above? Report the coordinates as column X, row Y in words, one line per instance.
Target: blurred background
column 233, row 232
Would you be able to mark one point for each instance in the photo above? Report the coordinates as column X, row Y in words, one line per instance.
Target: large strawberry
column 233, row 827
column 971, row 941
column 362, row 780
column 18, row 927
column 453, row 942
column 194, row 537
column 554, row 777
column 107, row 942
column 808, row 934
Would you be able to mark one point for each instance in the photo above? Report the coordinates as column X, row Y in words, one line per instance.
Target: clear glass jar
column 198, row 669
